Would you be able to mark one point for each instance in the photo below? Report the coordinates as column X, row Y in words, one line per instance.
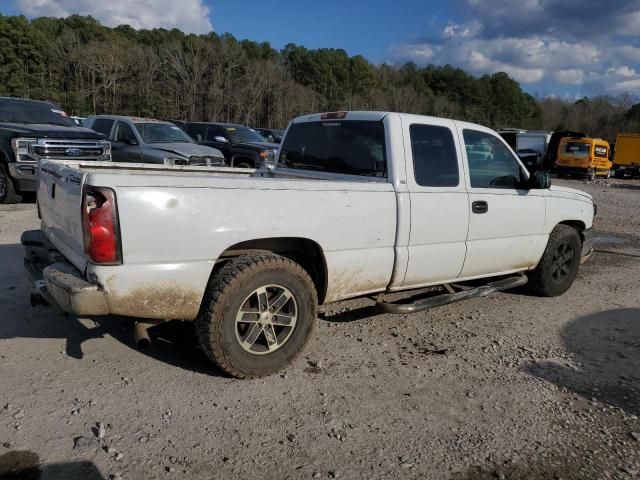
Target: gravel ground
column 509, row 386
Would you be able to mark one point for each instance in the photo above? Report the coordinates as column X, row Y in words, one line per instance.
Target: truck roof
column 131, row 119
column 379, row 116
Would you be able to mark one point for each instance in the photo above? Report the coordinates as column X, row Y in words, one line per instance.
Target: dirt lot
column 510, row 386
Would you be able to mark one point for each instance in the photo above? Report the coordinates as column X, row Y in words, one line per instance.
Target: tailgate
column 60, row 203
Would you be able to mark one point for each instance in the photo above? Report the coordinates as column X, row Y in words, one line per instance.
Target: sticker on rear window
column 231, row 129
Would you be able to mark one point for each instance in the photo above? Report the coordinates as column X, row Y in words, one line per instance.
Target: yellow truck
column 627, row 157
column 584, row 157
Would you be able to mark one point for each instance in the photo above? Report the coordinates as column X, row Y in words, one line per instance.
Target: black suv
column 31, row 131
column 271, row 134
column 241, row 146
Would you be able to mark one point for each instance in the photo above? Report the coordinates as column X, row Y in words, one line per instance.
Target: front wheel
column 258, row 315
column 559, row 264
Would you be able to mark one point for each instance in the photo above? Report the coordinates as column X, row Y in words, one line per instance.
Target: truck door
column 507, row 219
column 124, row 144
column 439, row 201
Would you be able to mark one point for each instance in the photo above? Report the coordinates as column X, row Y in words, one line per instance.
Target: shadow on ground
column 25, row 465
column 606, row 359
column 173, row 343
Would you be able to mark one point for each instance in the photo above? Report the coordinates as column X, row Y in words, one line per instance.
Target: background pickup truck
column 362, row 203
column 146, row 140
column 32, row 131
column 241, row 146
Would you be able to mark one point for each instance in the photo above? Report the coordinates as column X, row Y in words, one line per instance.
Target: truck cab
column 585, row 157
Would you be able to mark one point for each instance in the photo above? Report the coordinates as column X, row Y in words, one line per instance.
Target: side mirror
column 541, row 180
column 131, row 141
column 199, row 138
column 221, row 139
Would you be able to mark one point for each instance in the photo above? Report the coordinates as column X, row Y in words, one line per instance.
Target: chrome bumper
column 57, row 281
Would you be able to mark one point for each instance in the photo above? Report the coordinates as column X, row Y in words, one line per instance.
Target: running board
column 447, row 298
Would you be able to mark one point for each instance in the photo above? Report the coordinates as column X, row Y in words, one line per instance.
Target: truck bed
column 176, row 221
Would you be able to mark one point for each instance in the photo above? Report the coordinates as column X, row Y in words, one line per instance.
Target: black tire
column 7, row 188
column 230, row 290
column 618, row 174
column 559, row 264
column 242, row 163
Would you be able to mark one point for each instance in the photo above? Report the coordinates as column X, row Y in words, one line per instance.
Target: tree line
column 89, row 68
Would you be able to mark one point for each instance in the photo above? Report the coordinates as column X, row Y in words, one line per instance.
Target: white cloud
column 539, row 41
column 570, row 76
column 188, row 15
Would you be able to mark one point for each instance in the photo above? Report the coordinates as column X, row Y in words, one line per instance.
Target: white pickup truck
column 361, row 204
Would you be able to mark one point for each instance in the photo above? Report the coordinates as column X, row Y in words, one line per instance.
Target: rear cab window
column 348, row 147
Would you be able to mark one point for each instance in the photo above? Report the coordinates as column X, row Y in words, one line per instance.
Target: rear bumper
column 59, row 282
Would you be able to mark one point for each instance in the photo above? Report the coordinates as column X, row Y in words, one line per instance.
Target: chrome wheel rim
column 266, row 319
column 562, row 262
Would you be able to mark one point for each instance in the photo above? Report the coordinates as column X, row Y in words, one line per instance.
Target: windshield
column 152, row 132
column 244, row 135
column 537, row 143
column 25, row 111
column 577, row 149
column 347, row 147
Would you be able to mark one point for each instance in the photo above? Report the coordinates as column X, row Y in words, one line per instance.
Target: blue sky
column 555, row 47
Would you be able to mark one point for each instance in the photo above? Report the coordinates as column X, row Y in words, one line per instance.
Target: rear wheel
column 7, row 188
column 559, row 264
column 258, row 315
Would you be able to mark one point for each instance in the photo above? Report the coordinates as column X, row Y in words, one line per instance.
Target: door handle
column 479, row 206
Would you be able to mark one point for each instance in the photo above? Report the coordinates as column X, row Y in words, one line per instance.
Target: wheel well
column 577, row 224
column 303, row 251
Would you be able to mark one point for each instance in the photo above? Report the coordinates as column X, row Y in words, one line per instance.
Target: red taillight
column 100, row 226
column 333, row 116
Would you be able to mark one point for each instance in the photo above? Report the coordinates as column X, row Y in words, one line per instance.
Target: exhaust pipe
column 141, row 334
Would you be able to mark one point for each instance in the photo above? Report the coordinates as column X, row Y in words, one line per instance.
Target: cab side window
column 601, row 151
column 435, row 162
column 491, row 164
column 195, row 129
column 123, row 133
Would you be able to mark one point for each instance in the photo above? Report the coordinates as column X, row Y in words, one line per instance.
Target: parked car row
column 32, row 131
